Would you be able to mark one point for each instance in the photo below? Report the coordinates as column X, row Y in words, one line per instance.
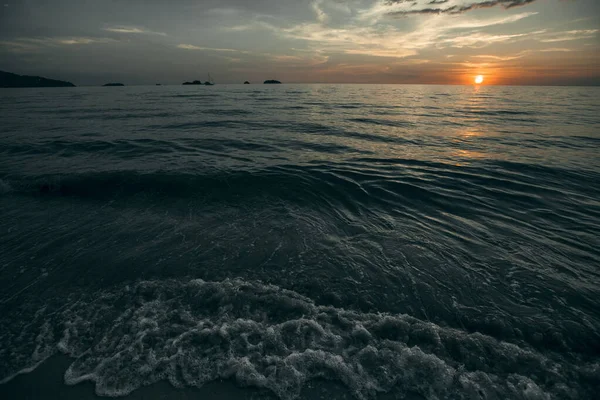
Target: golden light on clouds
column 478, row 43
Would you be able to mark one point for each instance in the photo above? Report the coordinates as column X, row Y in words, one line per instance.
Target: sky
column 510, row 42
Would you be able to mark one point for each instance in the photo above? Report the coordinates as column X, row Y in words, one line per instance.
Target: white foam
column 194, row 332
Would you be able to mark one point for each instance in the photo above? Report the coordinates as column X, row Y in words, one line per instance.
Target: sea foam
column 194, row 332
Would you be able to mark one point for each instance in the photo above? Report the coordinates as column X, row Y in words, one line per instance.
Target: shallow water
column 436, row 240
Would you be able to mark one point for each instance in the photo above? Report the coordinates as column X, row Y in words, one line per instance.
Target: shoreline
column 47, row 382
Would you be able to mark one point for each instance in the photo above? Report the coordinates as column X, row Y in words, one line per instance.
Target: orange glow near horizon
column 479, row 79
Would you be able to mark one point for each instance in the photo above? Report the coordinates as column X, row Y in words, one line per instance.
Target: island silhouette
column 10, row 80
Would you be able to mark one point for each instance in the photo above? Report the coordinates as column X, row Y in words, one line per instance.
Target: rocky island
column 271, row 81
column 193, row 83
column 10, row 80
column 246, row 83
column 113, row 84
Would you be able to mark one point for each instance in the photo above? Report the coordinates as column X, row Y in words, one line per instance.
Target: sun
column 479, row 79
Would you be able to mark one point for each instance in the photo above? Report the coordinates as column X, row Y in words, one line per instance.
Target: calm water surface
column 435, row 240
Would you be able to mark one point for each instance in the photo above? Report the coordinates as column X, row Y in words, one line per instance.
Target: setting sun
column 479, row 79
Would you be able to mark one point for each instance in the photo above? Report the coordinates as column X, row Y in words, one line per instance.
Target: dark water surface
column 431, row 240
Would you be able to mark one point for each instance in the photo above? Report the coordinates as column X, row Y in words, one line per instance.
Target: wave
column 193, row 332
column 388, row 184
column 521, row 177
column 384, row 122
column 226, row 112
column 313, row 185
column 134, row 148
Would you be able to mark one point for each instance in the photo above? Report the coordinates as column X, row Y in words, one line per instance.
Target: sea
column 441, row 242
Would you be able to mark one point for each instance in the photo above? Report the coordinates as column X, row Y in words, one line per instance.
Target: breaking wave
column 194, row 332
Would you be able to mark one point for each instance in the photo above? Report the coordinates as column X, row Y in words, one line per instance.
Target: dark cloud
column 455, row 9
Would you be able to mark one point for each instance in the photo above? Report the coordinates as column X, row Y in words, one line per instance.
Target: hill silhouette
column 10, row 80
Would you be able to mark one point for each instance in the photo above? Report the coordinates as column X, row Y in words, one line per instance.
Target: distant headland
column 10, row 80
column 113, row 84
column 271, row 82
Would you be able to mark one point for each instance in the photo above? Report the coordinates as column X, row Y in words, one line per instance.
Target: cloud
column 351, row 40
column 480, row 40
column 442, row 31
column 189, row 47
column 300, row 60
column 198, row 48
column 66, row 41
column 32, row 45
column 223, row 11
column 232, row 59
column 322, row 17
column 556, row 49
column 133, row 30
column 248, row 27
column 408, row 7
column 387, row 40
column 504, row 58
column 73, row 41
column 391, row 53
column 520, row 54
column 571, row 35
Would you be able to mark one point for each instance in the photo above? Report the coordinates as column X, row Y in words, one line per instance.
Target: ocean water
column 437, row 241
